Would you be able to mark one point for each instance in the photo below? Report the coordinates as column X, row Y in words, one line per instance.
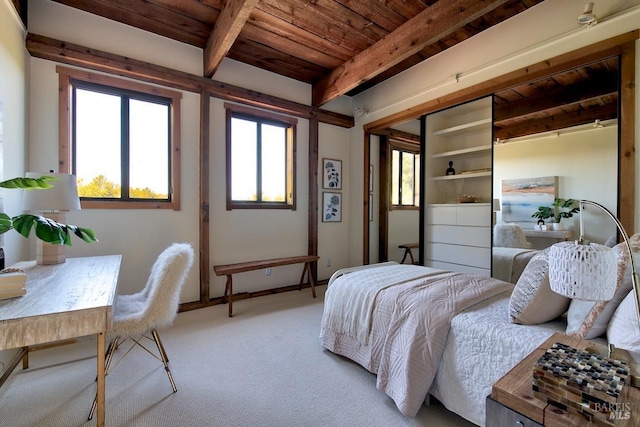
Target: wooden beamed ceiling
column 343, row 47
column 340, row 47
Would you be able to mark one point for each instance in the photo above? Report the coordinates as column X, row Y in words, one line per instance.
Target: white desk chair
column 140, row 315
column 509, row 235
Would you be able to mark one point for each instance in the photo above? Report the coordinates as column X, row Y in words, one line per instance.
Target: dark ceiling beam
column 556, row 122
column 595, row 88
column 432, row 24
column 228, row 25
column 93, row 59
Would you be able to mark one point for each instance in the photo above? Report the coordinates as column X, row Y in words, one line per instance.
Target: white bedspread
column 348, row 307
column 482, row 346
column 409, row 330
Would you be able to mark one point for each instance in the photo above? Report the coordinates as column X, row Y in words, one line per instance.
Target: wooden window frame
column 65, row 142
column 407, row 148
column 290, row 124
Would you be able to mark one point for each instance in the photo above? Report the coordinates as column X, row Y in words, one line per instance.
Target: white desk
column 64, row 301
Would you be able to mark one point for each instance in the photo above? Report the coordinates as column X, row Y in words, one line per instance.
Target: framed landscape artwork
column 521, row 197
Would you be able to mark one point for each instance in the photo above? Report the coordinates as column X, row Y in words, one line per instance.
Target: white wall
column 511, row 45
column 13, row 70
column 238, row 235
column 585, row 163
column 13, row 94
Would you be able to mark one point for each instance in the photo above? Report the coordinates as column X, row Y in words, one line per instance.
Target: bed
column 509, row 263
column 413, row 327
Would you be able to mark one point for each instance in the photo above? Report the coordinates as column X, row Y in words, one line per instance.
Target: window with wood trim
column 120, row 140
column 405, row 176
column 260, row 150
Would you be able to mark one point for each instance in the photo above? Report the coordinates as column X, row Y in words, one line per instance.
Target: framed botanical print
column 332, row 174
column 331, row 207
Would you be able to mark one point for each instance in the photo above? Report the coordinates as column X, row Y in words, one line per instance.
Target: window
column 405, row 176
column 260, row 159
column 119, row 139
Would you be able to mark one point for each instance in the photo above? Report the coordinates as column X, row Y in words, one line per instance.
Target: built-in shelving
column 462, row 152
column 478, row 125
column 461, row 176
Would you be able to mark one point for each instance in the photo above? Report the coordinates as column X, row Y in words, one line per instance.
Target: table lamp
column 52, row 203
column 495, row 208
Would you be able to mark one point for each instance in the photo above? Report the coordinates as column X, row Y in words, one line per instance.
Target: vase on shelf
column 557, row 226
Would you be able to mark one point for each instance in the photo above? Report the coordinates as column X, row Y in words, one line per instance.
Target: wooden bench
column 241, row 267
column 407, row 251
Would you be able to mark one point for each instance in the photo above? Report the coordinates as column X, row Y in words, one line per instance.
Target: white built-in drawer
column 469, row 214
column 453, row 234
column 458, row 254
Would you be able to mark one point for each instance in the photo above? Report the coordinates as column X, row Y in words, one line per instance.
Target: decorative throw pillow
column 589, row 319
column 623, row 330
column 532, row 300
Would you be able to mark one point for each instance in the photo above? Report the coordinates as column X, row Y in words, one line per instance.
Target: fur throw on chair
column 156, row 306
column 509, row 235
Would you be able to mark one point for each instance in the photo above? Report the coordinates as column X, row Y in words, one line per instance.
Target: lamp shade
column 583, row 271
column 63, row 196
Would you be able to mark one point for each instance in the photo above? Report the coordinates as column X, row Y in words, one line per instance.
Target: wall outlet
column 328, row 262
column 267, row 271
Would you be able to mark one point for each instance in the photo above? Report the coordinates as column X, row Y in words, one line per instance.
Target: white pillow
column 589, row 319
column 532, row 301
column 623, row 330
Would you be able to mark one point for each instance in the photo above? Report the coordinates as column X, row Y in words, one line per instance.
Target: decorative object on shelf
column 46, row 229
column 560, row 208
column 465, row 198
column 332, row 174
column 331, row 207
column 583, row 271
column 521, row 195
column 580, row 382
column 450, row 169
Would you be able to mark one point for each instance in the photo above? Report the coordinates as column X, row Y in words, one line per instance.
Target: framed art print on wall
column 331, row 207
column 332, row 174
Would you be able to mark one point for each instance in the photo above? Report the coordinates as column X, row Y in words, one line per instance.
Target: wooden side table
column 512, row 403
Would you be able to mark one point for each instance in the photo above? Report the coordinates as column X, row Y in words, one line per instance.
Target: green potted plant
column 561, row 208
column 46, row 229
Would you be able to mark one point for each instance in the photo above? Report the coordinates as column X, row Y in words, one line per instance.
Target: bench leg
column 307, row 269
column 228, row 294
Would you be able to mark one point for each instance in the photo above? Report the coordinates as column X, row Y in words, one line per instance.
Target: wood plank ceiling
column 343, row 47
column 338, row 46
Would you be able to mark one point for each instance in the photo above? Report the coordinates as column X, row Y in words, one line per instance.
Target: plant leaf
column 49, row 230
column 41, row 183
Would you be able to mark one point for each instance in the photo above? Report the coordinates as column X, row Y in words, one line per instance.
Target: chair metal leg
column 165, row 359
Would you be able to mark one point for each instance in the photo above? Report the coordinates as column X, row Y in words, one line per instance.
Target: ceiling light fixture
column 588, row 17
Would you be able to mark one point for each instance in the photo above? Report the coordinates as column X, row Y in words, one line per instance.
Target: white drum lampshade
column 52, row 203
column 583, row 271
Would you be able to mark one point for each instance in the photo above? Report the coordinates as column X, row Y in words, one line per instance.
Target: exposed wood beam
column 556, row 122
column 554, row 98
column 429, row 26
column 93, row 59
column 228, row 26
column 592, row 53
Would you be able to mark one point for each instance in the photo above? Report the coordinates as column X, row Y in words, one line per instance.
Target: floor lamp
column 587, row 271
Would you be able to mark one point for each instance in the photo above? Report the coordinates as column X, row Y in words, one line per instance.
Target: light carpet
column 263, row 367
